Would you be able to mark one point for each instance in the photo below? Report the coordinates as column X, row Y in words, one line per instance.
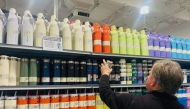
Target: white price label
column 168, row 49
column 150, row 47
column 54, row 105
column 114, row 43
column 52, row 43
column 162, row 48
column 82, row 103
column 56, row 79
column 12, row 79
column 156, row 48
column 179, row 50
column 174, row 50
column 23, row 79
column 70, row 79
column 97, row 42
column 122, row 44
column 33, row 79
column 77, row 79
column 45, row 106
column 33, row 106
column 188, row 51
column 137, row 46
column 91, row 102
column 22, row 106
column 184, row 51
column 64, row 105
column 73, row 104
column 63, row 79
column 106, row 43
column 45, row 79
column 129, row 45
column 4, row 76
column 83, row 79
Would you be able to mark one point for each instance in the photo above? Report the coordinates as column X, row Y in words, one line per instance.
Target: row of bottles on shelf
column 59, row 101
column 56, row 101
column 93, row 39
column 23, row 71
column 183, row 96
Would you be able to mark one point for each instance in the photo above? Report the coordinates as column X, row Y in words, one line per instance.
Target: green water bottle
column 136, row 42
column 38, row 72
column 114, row 40
column 122, row 41
column 33, row 72
column 144, row 43
column 24, row 72
column 129, row 41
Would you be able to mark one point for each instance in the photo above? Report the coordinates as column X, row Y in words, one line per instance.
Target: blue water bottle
column 45, row 72
column 56, row 72
column 173, row 46
column 95, row 71
column 179, row 47
column 184, row 48
column 188, row 48
column 89, row 71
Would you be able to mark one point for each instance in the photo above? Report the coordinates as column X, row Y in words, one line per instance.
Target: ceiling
column 163, row 13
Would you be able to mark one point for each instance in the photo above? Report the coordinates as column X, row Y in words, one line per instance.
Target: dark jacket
column 153, row 100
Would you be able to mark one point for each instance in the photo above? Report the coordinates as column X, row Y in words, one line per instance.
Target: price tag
column 52, row 43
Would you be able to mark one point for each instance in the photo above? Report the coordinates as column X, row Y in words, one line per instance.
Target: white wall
column 182, row 30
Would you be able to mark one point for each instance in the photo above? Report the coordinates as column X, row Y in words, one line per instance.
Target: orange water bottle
column 22, row 102
column 54, row 101
column 64, row 101
column 33, row 102
column 44, row 102
column 73, row 101
column 82, row 101
column 105, row 39
column 97, row 36
column 91, row 101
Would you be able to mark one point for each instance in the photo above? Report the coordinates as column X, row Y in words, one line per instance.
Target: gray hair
column 168, row 75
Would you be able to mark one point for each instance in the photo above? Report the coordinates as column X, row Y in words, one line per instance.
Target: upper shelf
column 107, row 55
column 37, row 51
column 11, row 50
column 52, row 87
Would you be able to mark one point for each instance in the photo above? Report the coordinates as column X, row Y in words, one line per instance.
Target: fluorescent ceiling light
column 144, row 10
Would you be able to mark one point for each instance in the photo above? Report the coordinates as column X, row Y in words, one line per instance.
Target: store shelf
column 45, row 87
column 37, row 51
column 23, row 51
column 50, row 87
column 106, row 55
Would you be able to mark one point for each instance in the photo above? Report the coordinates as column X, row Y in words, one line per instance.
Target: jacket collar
column 163, row 95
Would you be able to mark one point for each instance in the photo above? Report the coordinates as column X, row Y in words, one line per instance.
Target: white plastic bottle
column 4, row 66
column 78, row 36
column 54, row 28
column 2, row 26
column 87, row 37
column 66, row 35
column 27, row 29
column 12, row 27
column 40, row 30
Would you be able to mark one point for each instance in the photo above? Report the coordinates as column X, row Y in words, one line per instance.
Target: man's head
column 165, row 76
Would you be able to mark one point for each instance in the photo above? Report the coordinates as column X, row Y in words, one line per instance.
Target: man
column 163, row 82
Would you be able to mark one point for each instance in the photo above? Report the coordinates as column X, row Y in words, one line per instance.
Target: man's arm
column 110, row 98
